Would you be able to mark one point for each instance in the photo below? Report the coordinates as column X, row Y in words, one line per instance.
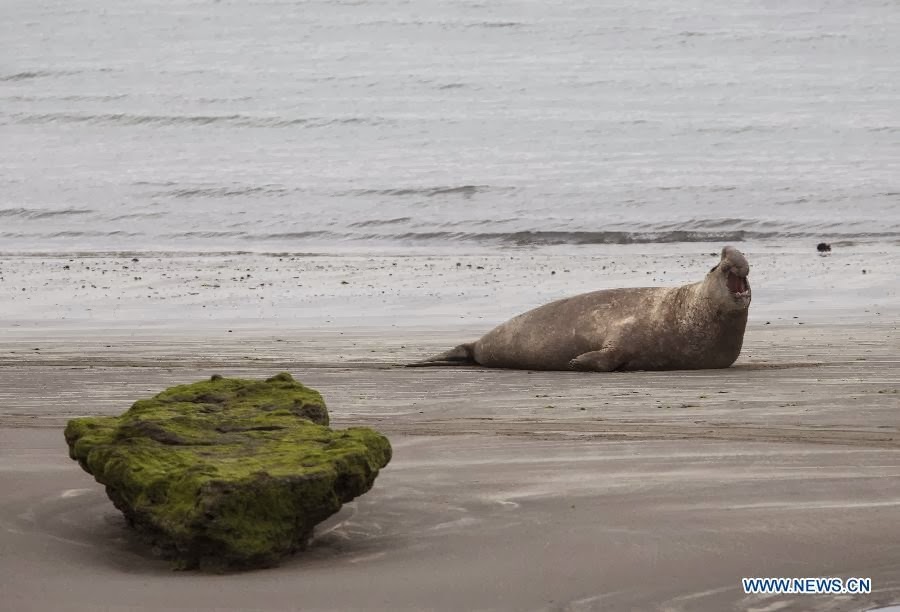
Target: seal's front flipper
column 461, row 355
column 606, row 360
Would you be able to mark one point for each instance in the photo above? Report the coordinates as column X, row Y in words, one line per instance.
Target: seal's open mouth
column 736, row 284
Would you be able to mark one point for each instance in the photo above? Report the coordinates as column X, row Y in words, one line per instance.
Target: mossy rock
column 228, row 473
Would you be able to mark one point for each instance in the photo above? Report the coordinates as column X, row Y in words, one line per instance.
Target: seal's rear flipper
column 461, row 355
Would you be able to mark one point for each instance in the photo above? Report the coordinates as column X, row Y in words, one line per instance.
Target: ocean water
column 272, row 125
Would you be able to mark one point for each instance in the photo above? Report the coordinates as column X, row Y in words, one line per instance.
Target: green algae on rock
column 228, row 473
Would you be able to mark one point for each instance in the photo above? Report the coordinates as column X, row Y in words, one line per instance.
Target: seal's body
column 691, row 327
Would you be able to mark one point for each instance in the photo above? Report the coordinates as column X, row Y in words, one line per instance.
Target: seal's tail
column 461, row 355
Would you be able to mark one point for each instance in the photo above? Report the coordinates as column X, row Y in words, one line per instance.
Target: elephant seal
column 691, row 327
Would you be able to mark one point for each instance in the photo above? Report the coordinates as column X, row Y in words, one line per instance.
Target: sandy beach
column 509, row 490
column 337, row 188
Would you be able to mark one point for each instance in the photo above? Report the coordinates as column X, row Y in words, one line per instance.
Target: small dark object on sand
column 823, row 247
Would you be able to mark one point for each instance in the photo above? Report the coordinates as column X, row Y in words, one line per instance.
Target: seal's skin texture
column 228, row 473
column 691, row 327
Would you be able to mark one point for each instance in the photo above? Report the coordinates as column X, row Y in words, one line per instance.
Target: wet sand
column 46, row 292
column 509, row 490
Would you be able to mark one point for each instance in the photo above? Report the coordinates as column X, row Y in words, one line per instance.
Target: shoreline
column 428, row 291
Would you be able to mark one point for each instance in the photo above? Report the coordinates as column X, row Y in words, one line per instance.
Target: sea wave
column 376, row 222
column 430, row 192
column 42, row 213
column 71, row 234
column 260, row 239
column 231, row 120
column 551, row 238
column 27, row 75
column 291, row 235
column 545, row 238
column 225, row 191
column 207, row 234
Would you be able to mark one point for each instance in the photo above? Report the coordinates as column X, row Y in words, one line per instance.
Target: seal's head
column 727, row 281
